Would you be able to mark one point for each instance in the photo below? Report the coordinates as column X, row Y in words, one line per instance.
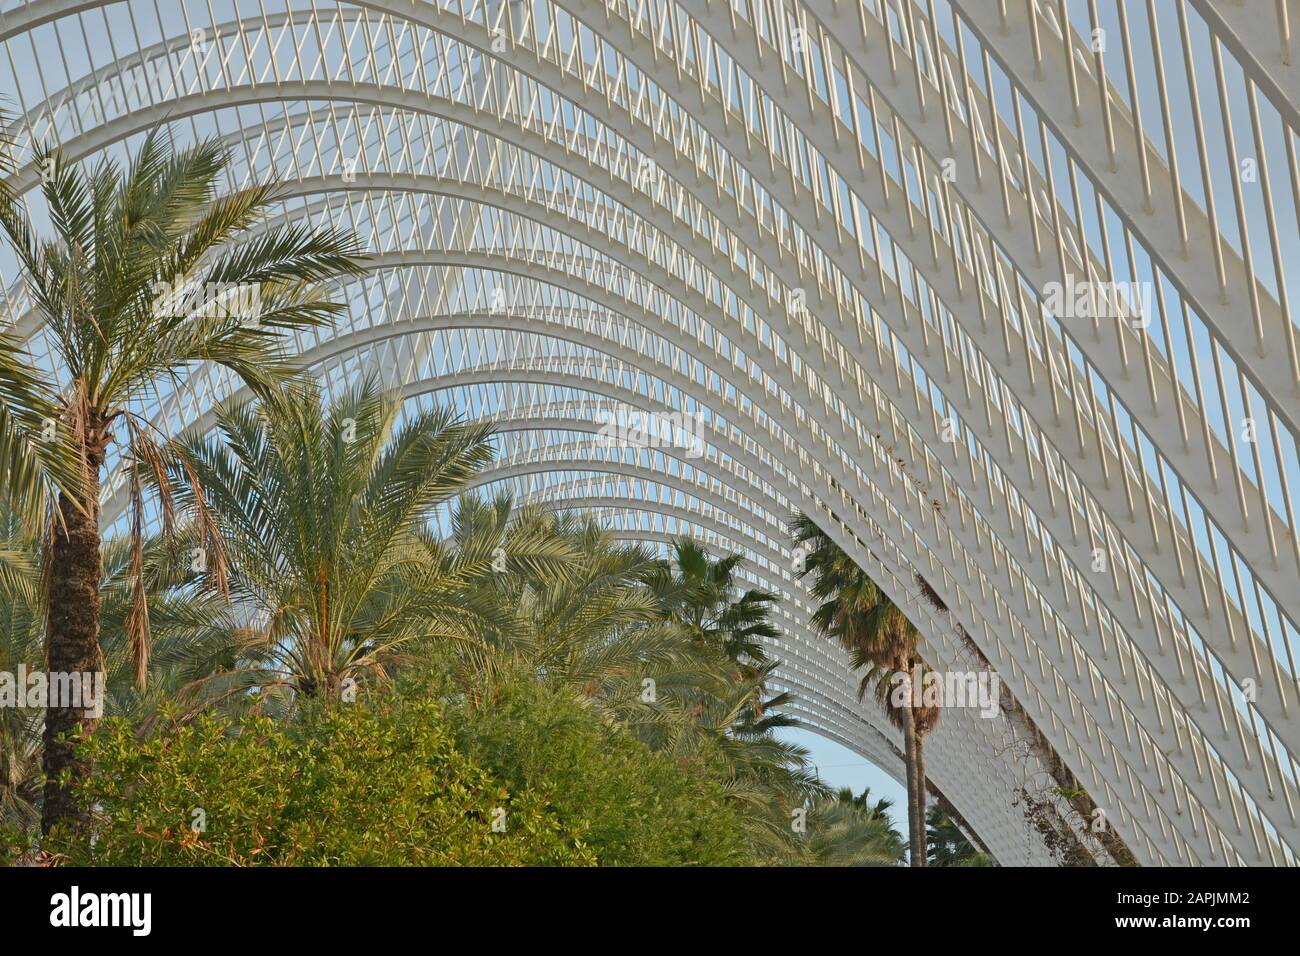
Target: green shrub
column 402, row 781
column 629, row 804
column 375, row 784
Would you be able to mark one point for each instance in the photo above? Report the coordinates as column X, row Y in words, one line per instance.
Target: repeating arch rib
column 543, row 377
column 1106, row 540
column 335, row 347
column 924, row 314
column 1254, row 655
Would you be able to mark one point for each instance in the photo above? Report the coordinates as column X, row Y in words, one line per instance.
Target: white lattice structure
column 831, row 229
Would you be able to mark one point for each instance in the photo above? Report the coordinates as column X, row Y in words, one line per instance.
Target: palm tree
column 148, row 274
column 878, row 636
column 905, row 691
column 320, row 511
column 564, row 602
column 847, row 830
column 701, row 594
column 189, row 630
column 948, row 846
column 726, row 711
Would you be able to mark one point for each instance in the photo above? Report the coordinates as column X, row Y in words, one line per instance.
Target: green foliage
column 402, row 781
column 320, row 508
column 1071, row 793
column 631, row 805
column 535, row 633
column 189, row 628
column 21, row 635
column 846, row 830
column 541, row 713
column 576, row 615
column 381, row 784
column 948, row 846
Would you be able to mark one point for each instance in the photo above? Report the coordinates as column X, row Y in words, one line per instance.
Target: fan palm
column 320, row 512
column 647, row 646
column 700, row 593
column 149, row 273
column 730, row 714
column 878, row 636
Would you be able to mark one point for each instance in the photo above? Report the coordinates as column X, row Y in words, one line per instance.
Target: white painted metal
column 744, row 207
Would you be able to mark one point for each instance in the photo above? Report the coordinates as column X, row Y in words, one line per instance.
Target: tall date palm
column 150, row 271
column 189, row 627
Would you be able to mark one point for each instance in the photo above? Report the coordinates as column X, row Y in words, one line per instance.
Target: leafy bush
column 403, row 781
column 380, row 784
column 631, row 805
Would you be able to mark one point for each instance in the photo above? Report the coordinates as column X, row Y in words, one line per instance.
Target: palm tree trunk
column 915, row 825
column 919, row 760
column 71, row 641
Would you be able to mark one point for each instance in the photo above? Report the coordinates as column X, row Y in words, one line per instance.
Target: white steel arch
column 1009, row 765
column 837, row 225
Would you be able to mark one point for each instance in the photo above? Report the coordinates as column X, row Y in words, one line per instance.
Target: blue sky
column 841, row 767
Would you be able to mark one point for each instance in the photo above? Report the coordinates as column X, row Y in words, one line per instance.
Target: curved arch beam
column 928, row 544
column 1275, row 367
column 1262, row 48
column 1084, row 621
column 467, row 34
column 949, row 746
